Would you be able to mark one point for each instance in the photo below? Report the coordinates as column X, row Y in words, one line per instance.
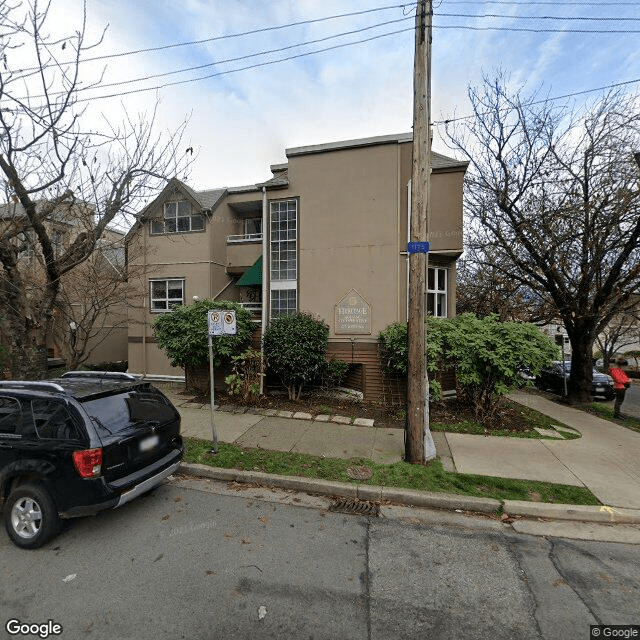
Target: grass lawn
column 604, row 411
column 400, row 474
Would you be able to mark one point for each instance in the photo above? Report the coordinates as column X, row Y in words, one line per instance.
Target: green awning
column 253, row 275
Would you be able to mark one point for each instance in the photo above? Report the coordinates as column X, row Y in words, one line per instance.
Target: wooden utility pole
column 419, row 445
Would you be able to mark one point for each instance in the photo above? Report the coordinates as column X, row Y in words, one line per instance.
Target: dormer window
column 178, row 217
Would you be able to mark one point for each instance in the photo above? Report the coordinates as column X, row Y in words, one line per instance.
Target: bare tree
column 555, row 205
column 56, row 168
column 483, row 288
column 622, row 331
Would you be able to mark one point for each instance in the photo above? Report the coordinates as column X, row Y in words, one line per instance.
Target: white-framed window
column 178, row 217
column 284, row 240
column 166, row 294
column 437, row 292
column 284, row 302
column 284, row 257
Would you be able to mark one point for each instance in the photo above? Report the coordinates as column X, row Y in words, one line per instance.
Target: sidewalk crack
column 551, row 451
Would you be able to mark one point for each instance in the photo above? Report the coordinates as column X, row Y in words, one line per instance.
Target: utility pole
column 419, row 446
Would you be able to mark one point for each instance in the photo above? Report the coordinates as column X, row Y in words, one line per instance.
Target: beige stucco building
column 336, row 220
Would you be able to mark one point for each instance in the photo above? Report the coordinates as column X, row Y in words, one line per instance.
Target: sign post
column 220, row 323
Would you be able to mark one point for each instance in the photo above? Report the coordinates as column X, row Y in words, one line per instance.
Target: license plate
column 149, row 443
column 600, row 389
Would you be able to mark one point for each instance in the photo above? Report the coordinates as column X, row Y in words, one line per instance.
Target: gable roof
column 207, row 200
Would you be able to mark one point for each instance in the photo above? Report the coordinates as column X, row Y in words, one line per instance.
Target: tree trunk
column 579, row 385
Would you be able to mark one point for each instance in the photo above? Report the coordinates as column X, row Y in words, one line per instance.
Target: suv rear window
column 115, row 413
column 53, row 420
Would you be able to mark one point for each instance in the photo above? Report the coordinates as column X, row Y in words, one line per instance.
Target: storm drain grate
column 358, row 507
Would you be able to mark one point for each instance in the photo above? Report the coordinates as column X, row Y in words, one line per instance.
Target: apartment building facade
column 326, row 233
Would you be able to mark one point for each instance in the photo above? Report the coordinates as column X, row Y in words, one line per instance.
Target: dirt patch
column 453, row 411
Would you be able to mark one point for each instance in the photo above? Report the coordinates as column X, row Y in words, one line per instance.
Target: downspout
column 145, row 298
column 408, row 240
column 265, row 293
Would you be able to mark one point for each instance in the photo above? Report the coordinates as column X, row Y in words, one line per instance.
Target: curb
column 410, row 497
column 416, row 498
column 581, row 513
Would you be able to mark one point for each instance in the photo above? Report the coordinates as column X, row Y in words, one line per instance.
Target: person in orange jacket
column 621, row 383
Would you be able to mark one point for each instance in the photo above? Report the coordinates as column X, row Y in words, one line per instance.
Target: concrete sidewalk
column 606, row 459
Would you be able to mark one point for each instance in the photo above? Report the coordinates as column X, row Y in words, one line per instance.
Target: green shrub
column 394, row 351
column 183, row 334
column 485, row 353
column 333, row 373
column 244, row 381
column 295, row 347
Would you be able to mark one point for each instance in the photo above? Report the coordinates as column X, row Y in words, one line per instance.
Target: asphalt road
column 196, row 559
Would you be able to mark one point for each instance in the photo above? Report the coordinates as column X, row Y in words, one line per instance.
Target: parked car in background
column 600, row 362
column 552, row 378
column 525, row 373
column 78, row 444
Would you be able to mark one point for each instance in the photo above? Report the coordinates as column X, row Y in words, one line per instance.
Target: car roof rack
column 100, row 375
column 37, row 385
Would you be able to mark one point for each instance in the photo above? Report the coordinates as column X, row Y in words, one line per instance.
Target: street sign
column 418, row 247
column 221, row 322
column 229, row 323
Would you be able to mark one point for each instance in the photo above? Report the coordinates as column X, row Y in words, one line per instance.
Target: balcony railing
column 245, row 237
column 253, row 307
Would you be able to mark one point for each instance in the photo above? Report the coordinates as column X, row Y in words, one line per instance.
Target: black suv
column 78, row 444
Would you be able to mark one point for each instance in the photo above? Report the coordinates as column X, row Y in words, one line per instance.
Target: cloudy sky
column 241, row 121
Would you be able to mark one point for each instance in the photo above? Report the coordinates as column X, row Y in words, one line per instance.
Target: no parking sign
column 222, row 322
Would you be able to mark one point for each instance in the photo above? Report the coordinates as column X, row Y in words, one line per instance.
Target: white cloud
column 242, row 122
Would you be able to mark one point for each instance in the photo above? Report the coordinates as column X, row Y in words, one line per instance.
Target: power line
column 228, row 36
column 533, row 30
column 562, row 97
column 246, row 57
column 514, row 17
column 544, row 3
column 368, row 11
column 253, row 66
column 301, row 44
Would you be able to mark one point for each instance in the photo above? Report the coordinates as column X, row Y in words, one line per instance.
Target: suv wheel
column 30, row 516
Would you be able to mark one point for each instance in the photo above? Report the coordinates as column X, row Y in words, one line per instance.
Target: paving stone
column 341, row 419
column 270, row 412
column 285, row 414
column 551, row 433
column 322, row 417
column 255, row 412
column 363, row 422
column 301, row 415
column 557, row 427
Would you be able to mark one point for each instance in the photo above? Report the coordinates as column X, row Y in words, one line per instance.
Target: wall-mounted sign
column 418, row 247
column 352, row 315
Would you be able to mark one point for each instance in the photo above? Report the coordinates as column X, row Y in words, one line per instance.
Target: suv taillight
column 88, row 462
